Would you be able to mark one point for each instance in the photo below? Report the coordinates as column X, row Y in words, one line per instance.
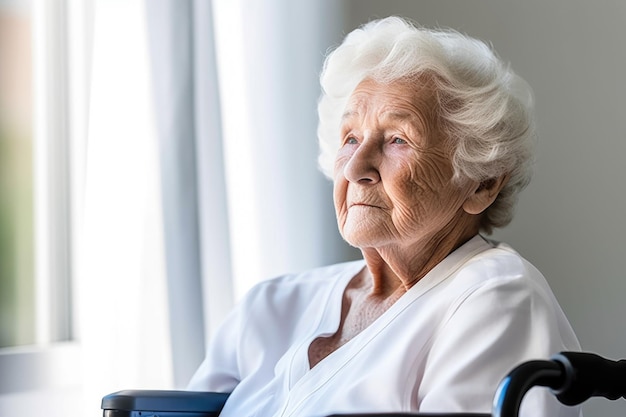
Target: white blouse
column 442, row 347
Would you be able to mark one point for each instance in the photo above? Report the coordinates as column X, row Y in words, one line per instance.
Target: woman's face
column 393, row 171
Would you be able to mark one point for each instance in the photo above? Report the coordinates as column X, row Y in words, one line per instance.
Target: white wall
column 570, row 221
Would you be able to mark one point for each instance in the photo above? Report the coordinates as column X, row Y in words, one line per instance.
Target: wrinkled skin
column 395, row 199
column 394, row 195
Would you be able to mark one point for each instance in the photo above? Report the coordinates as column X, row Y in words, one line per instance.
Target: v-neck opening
column 313, row 379
column 331, row 319
column 434, row 277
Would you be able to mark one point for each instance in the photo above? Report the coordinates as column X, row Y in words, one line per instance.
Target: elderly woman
column 427, row 136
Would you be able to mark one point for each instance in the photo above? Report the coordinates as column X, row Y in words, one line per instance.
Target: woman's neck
column 395, row 270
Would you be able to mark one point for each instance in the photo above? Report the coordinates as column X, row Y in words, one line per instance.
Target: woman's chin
column 363, row 238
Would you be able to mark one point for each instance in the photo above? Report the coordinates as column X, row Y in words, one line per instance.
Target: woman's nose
column 362, row 167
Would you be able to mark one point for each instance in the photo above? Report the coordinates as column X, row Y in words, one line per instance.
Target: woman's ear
column 485, row 194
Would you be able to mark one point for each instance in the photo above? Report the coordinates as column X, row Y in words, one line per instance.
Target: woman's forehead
column 398, row 101
column 396, row 97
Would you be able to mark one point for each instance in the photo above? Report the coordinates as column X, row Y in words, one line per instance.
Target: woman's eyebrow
column 392, row 114
column 395, row 114
column 349, row 114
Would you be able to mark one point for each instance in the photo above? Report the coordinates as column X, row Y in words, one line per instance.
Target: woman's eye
column 351, row 141
column 398, row 141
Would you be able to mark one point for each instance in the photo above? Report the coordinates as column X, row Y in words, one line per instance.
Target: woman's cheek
column 339, row 195
column 340, row 162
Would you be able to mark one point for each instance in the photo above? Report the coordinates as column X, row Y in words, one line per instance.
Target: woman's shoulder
column 308, row 283
column 496, row 260
column 313, row 276
column 500, row 267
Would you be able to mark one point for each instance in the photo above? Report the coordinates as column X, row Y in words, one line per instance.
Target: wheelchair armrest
column 146, row 403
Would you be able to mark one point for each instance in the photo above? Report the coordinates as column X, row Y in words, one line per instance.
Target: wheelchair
column 573, row 377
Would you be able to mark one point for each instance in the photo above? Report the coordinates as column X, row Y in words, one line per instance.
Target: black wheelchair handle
column 511, row 391
column 573, row 377
column 589, row 375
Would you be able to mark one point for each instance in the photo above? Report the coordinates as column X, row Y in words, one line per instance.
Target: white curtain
column 236, row 88
column 120, row 282
column 188, row 121
column 201, row 175
column 269, row 54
